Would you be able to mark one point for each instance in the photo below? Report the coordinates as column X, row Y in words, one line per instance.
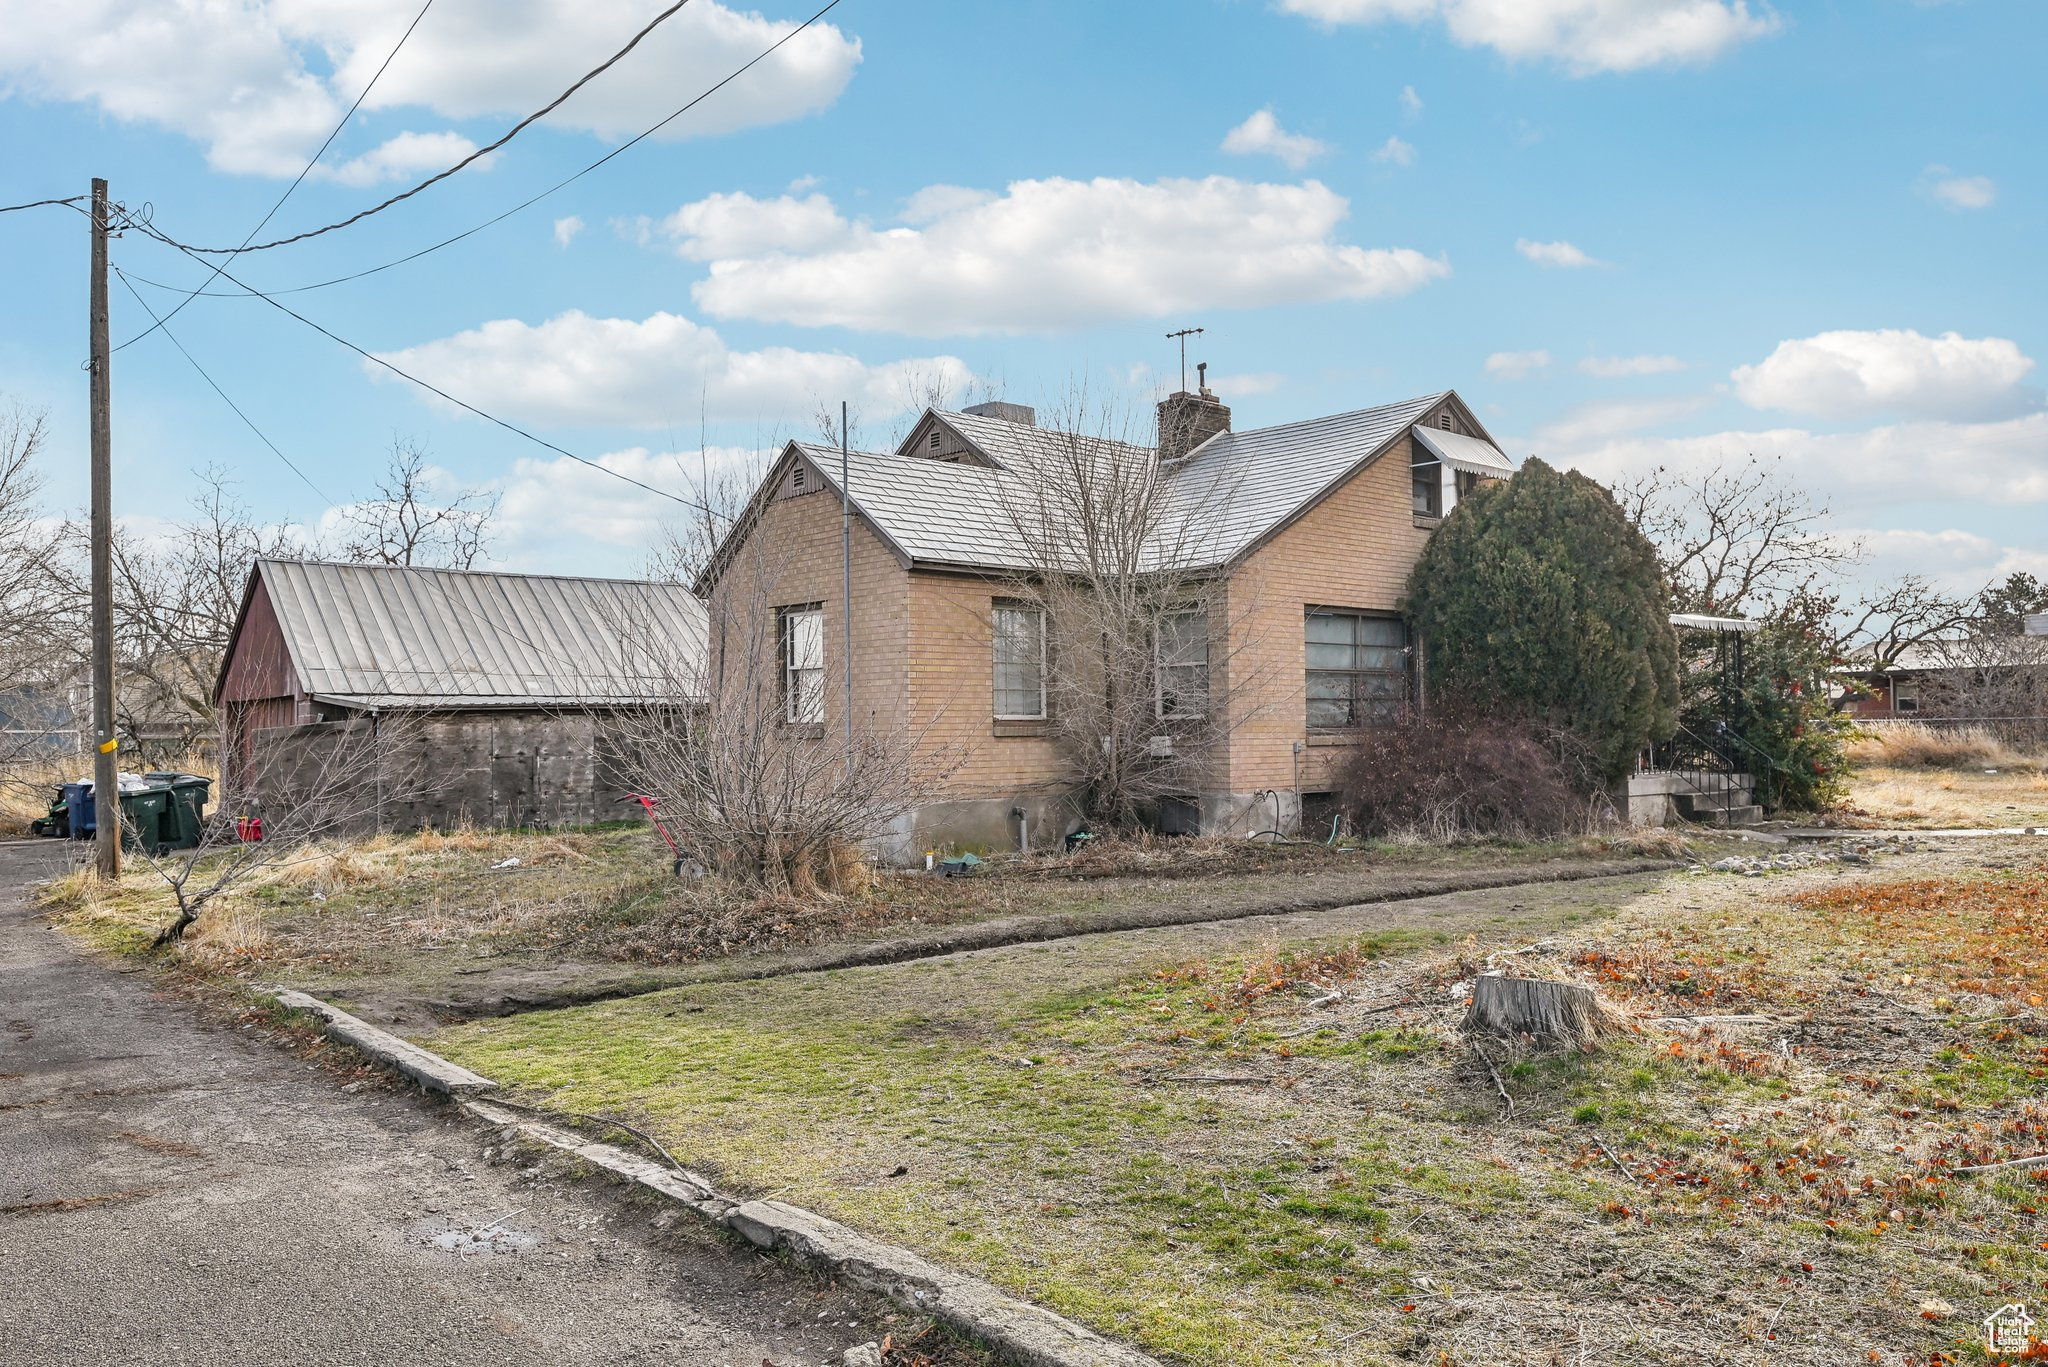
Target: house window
column 1019, row 662
column 1905, row 698
column 1428, row 488
column 1181, row 664
column 802, row 632
column 1357, row 669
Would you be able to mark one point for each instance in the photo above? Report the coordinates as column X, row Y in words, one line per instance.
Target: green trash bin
column 185, row 823
column 145, row 812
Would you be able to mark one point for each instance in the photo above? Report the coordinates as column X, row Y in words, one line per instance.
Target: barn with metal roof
column 495, row 684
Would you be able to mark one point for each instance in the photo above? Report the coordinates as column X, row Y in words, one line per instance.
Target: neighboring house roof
column 1984, row 652
column 1222, row 499
column 397, row 636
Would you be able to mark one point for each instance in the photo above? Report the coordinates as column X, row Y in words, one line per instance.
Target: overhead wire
column 39, row 203
column 466, row 406
column 525, row 204
column 247, row 421
column 440, row 176
column 296, row 181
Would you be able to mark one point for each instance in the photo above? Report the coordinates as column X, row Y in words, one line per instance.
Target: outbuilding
column 491, row 690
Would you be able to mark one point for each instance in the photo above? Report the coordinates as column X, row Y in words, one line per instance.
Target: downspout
column 846, row 580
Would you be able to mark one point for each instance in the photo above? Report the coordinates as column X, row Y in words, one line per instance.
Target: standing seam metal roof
column 396, row 635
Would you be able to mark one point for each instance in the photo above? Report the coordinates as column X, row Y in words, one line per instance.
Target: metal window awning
column 1467, row 454
column 1700, row 621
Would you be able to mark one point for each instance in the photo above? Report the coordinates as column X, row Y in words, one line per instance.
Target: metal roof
column 393, row 635
column 1221, row 499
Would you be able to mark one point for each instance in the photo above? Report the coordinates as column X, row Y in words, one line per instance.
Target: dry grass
column 1210, row 1156
column 1910, row 745
column 1948, row 798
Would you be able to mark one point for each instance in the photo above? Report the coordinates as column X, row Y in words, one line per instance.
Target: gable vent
column 1446, row 421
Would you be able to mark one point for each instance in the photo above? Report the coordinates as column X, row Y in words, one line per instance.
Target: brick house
column 1313, row 547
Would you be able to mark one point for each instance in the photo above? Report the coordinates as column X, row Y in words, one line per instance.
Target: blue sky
column 1630, row 232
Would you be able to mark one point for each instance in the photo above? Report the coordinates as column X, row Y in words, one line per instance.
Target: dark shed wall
column 260, row 666
column 487, row 768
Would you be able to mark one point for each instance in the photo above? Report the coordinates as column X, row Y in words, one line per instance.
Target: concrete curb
column 1026, row 1334
column 429, row 1070
column 1029, row 1335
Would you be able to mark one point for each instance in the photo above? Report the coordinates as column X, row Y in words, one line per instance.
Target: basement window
column 801, row 632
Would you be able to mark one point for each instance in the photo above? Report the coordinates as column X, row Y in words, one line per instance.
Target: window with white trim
column 1180, row 660
column 1019, row 654
column 802, row 634
column 1357, row 668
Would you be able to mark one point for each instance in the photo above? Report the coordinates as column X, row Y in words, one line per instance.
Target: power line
column 706, row 94
column 436, row 390
column 296, row 182
column 246, row 420
column 440, row 176
column 39, row 203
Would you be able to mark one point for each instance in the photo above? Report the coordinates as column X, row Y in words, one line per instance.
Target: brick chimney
column 1187, row 420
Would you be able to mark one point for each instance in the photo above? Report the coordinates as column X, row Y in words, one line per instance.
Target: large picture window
column 1357, row 669
column 802, row 632
column 1181, row 664
column 1019, row 662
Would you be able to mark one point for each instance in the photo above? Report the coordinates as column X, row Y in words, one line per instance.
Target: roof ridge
column 1420, row 400
column 370, row 566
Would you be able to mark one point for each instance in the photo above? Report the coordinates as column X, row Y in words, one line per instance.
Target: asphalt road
column 173, row 1191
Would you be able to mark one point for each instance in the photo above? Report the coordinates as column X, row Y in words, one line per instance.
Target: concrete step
column 1747, row 815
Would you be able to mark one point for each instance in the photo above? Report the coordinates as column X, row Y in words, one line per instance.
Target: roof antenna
column 1183, row 336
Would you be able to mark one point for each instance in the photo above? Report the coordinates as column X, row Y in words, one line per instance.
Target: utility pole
column 106, row 778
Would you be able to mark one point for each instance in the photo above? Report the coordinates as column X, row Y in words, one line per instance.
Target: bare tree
column 175, row 603
column 734, row 739
column 1997, row 682
column 1145, row 645
column 1735, row 539
column 38, row 653
column 314, row 783
column 1746, row 540
column 405, row 524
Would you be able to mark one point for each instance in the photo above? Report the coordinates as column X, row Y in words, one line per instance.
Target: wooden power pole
column 106, row 775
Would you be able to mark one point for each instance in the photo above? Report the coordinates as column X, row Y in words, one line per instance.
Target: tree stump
column 1562, row 1013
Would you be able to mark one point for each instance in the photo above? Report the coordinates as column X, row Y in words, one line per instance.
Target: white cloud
column 1997, row 463
column 1395, row 151
column 1584, row 36
column 1857, row 374
column 1958, row 192
column 566, row 230
column 1261, row 134
column 261, row 82
column 1516, row 365
column 1610, row 418
column 617, row 372
column 1620, row 367
column 1246, row 384
column 1053, row 254
column 403, row 157
column 561, row 512
column 1411, row 104
column 740, row 225
column 1959, row 560
column 1562, row 255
